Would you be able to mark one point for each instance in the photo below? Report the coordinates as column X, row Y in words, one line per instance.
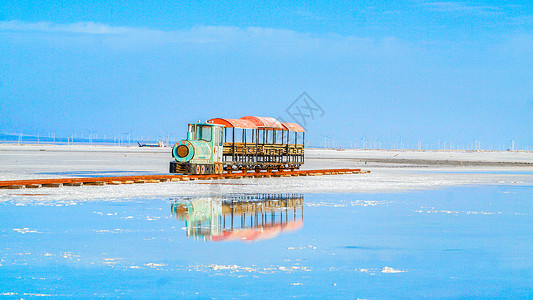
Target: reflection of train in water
column 248, row 143
column 240, row 217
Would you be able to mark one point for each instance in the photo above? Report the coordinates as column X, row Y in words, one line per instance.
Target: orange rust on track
column 165, row 178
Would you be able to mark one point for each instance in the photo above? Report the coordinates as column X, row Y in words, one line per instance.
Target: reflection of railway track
column 58, row 182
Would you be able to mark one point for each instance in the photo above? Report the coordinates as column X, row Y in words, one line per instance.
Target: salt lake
column 454, row 242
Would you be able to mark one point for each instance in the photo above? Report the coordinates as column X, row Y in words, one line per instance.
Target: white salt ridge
column 154, row 265
column 300, row 248
column 252, row 269
column 118, row 230
column 457, row 212
column 387, row 270
column 341, row 203
column 111, row 261
column 25, row 230
column 70, row 256
column 230, row 267
column 391, row 270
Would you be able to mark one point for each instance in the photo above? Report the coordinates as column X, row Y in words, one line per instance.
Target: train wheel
column 203, row 169
column 198, row 169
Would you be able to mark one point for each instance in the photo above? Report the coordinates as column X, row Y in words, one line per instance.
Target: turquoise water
column 464, row 242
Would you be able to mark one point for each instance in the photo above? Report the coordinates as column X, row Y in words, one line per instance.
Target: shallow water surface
column 465, row 242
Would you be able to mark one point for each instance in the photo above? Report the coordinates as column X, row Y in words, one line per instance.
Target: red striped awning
column 264, row 122
column 236, row 123
column 251, row 122
column 292, row 127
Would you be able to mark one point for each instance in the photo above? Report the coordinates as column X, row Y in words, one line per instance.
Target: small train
column 249, row 143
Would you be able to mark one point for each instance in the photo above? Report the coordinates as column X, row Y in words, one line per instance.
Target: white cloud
column 462, row 7
column 254, row 41
column 197, row 34
column 82, row 27
column 258, row 38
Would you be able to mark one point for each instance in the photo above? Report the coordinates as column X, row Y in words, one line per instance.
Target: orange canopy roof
column 237, row 123
column 292, row 127
column 265, row 122
column 251, row 122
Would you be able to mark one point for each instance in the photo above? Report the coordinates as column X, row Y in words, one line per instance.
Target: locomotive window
column 204, row 133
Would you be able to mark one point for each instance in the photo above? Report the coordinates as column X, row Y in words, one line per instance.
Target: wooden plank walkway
column 58, row 182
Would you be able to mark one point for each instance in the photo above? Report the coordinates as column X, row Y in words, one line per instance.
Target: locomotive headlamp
column 183, row 151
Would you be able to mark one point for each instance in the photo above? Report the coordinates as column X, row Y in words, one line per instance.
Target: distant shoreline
column 428, row 162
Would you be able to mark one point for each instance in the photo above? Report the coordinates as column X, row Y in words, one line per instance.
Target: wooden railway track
column 58, row 182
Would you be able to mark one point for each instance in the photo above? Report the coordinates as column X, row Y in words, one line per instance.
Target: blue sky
column 382, row 71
